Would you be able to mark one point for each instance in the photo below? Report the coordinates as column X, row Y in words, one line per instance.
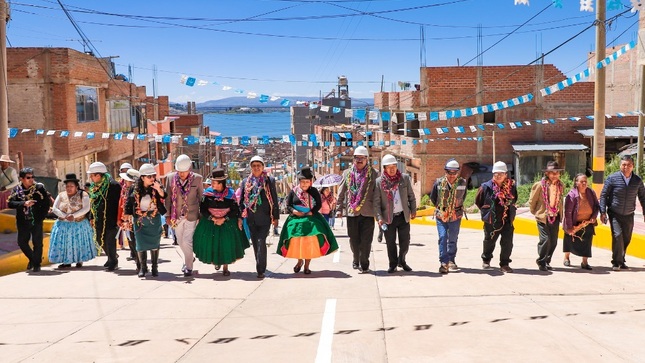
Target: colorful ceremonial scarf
column 551, row 211
column 355, row 181
column 304, row 197
column 177, row 190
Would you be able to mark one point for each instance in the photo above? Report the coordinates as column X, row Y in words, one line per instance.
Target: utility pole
column 598, row 163
column 4, row 99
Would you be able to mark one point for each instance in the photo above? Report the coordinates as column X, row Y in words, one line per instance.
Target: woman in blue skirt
column 71, row 240
column 145, row 208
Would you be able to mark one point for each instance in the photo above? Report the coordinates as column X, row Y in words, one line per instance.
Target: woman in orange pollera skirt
column 305, row 234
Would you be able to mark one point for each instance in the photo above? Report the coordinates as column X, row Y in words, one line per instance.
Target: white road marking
column 326, row 332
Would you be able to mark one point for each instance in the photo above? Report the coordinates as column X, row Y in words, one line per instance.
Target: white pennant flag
column 527, row 123
column 226, row 88
column 473, row 128
column 324, row 108
column 349, row 112
column 275, row 98
column 421, row 132
column 235, row 140
column 78, row 133
column 512, row 125
column 251, row 95
column 25, row 130
column 254, row 140
column 285, row 138
column 51, row 132
column 442, row 116
column 373, row 115
column 105, row 135
column 422, row 116
column 183, row 79
column 130, row 136
column 202, row 82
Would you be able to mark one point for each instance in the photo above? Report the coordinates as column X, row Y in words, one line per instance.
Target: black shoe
column 364, row 270
column 585, row 266
column 79, row 264
column 129, row 258
column 443, row 269
column 260, row 276
column 391, row 270
column 543, row 268
column 623, row 266
column 29, row 266
column 297, row 267
column 355, row 265
column 175, row 244
column 187, row 273
column 307, row 271
column 36, row 269
column 64, row 265
column 226, row 273
column 406, row 268
column 112, row 267
column 548, row 267
column 106, row 264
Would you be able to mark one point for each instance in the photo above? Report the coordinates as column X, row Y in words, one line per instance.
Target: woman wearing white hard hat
column 394, row 205
column 219, row 238
column 259, row 205
column 356, row 201
column 72, row 239
column 448, row 194
column 185, row 189
column 496, row 200
column 104, row 193
column 305, row 234
column 145, row 207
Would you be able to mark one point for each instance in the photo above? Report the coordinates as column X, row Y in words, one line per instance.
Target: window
column 87, row 104
column 489, row 117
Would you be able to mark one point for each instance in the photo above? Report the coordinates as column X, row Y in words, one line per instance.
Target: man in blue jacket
column 618, row 201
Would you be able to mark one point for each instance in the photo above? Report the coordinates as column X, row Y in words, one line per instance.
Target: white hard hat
column 97, row 167
column 500, row 167
column 133, row 173
column 388, row 160
column 257, row 158
column 125, row 176
column 361, row 150
column 147, row 169
column 452, row 164
column 183, row 163
column 125, row 166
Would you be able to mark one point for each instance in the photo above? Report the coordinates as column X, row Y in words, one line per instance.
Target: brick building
column 63, row 89
column 526, row 149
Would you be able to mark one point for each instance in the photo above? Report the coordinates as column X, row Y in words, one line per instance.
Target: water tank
column 342, row 81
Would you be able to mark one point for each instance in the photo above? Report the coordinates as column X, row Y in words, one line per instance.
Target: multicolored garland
column 447, row 204
column 19, row 194
column 551, row 212
column 99, row 191
column 176, row 190
column 355, row 181
column 252, row 189
column 152, row 210
column 227, row 193
column 505, row 198
column 304, row 197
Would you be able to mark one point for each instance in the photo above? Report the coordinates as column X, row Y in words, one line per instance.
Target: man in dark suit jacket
column 618, row 201
column 259, row 206
column 104, row 193
column 394, row 205
column 31, row 202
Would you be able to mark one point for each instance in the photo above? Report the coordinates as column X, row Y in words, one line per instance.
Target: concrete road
column 332, row 315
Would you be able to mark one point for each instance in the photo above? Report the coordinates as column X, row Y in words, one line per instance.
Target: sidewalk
column 335, row 314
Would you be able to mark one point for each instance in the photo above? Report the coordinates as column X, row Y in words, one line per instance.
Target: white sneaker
column 452, row 267
column 486, row 266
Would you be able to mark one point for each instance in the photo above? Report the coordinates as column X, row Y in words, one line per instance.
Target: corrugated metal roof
column 614, row 132
column 548, row 147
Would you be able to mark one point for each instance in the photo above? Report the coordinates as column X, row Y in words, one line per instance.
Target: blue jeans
column 448, row 234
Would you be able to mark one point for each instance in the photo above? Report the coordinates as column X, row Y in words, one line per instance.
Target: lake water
column 272, row 124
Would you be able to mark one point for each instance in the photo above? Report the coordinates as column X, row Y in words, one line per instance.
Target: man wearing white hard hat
column 124, row 191
column 496, row 200
column 394, row 205
column 128, row 177
column 185, row 189
column 356, row 201
column 8, row 179
column 259, row 205
column 448, row 193
column 105, row 194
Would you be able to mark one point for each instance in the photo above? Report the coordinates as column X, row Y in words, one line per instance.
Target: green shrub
column 424, row 202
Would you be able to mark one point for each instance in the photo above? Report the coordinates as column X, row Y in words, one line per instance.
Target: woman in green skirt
column 219, row 238
column 145, row 207
column 305, row 233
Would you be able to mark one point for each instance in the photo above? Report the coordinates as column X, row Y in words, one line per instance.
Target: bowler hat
column 218, row 174
column 553, row 166
column 71, row 177
column 305, row 173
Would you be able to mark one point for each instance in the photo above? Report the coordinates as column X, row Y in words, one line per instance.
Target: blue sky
column 300, row 47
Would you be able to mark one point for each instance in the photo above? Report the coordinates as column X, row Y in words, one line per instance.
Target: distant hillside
column 254, row 102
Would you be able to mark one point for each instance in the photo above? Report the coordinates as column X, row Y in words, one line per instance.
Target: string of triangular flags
column 587, row 5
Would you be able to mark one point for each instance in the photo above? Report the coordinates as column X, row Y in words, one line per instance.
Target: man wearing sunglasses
column 448, row 193
column 31, row 202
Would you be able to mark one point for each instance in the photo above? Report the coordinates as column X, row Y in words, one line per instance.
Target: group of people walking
column 214, row 223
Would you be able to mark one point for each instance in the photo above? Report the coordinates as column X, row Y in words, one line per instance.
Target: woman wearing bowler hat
column 305, row 233
column 71, row 240
column 219, row 238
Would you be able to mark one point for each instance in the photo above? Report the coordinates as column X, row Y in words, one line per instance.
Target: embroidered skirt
column 147, row 232
column 219, row 245
column 580, row 245
column 306, row 237
column 71, row 242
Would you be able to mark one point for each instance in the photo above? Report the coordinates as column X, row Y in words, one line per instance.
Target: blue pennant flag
column 264, row 98
column 434, row 116
column 359, row 114
column 613, row 5
column 218, row 140
column 409, row 116
column 190, row 81
column 90, row 135
column 385, row 116
column 501, row 126
column 13, row 132
column 141, row 137
column 292, row 139
column 64, row 133
column 481, row 127
column 118, row 136
column 285, row 103
column 265, row 139
column 40, row 132
column 244, row 140
column 336, row 110
column 166, row 139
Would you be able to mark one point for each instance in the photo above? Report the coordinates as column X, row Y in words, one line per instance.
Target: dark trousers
column 132, row 244
column 548, row 241
column 400, row 226
column 35, row 233
column 361, row 232
column 259, row 235
column 506, row 242
column 621, row 234
column 109, row 244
